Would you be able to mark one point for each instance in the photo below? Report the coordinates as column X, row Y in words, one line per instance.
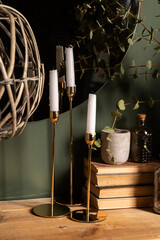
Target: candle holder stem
column 69, row 199
column 88, row 215
column 71, row 152
column 89, row 179
column 53, row 160
column 53, row 209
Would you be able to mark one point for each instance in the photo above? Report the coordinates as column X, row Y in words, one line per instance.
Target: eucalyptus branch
column 102, row 25
column 114, row 122
column 138, row 20
column 125, row 67
column 141, row 102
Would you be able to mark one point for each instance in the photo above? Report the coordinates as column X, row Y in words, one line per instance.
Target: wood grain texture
column 17, row 222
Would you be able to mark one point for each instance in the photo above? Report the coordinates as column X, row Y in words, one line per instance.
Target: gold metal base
column 82, row 216
column 51, row 210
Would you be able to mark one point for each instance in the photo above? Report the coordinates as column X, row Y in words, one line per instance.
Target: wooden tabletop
column 17, row 222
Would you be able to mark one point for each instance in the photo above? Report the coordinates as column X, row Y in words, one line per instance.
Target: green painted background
column 25, row 161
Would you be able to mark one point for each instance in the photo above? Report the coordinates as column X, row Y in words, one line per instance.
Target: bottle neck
column 141, row 122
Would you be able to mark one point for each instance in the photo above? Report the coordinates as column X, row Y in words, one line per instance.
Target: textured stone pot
column 119, row 147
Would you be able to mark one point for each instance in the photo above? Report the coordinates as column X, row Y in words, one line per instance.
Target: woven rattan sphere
column 21, row 72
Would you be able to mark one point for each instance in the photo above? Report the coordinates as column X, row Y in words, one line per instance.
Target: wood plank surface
column 17, row 222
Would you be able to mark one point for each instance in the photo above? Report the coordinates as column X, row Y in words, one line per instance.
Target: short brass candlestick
column 53, row 209
column 70, row 201
column 88, row 215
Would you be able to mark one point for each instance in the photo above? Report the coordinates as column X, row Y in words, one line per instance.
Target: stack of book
column 121, row 186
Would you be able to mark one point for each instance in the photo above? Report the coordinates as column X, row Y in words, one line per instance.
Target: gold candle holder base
column 88, row 215
column 82, row 216
column 53, row 209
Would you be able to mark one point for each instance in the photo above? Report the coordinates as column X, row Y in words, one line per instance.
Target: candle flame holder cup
column 88, row 215
column 69, row 200
column 53, row 209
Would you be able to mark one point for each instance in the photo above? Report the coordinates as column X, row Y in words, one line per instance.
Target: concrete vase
column 119, row 147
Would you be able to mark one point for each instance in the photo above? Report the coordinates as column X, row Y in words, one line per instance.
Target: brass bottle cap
column 141, row 117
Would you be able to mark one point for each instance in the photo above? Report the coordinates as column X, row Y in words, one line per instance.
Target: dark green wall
column 25, row 161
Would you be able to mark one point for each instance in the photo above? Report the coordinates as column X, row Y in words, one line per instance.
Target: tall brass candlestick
column 53, row 209
column 69, row 200
column 70, row 93
column 88, row 215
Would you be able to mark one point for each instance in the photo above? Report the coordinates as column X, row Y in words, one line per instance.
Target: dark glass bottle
column 141, row 142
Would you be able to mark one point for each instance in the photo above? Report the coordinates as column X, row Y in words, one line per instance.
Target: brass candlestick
column 70, row 93
column 70, row 201
column 88, row 215
column 53, row 209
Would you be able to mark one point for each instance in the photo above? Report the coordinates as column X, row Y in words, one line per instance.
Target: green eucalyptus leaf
column 93, row 148
column 149, row 64
column 151, row 35
column 121, row 105
column 91, row 34
column 122, row 47
column 133, row 63
column 151, row 102
column 107, row 47
column 121, row 69
column 108, row 150
column 87, row 5
column 82, row 71
column 130, row 41
column 97, row 143
column 95, row 50
column 109, row 139
column 109, row 20
column 136, row 106
column 108, row 129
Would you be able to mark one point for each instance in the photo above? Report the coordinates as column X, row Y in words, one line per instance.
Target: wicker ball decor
column 21, row 72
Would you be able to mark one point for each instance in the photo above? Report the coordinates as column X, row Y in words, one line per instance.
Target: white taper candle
column 91, row 114
column 53, row 90
column 70, row 74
